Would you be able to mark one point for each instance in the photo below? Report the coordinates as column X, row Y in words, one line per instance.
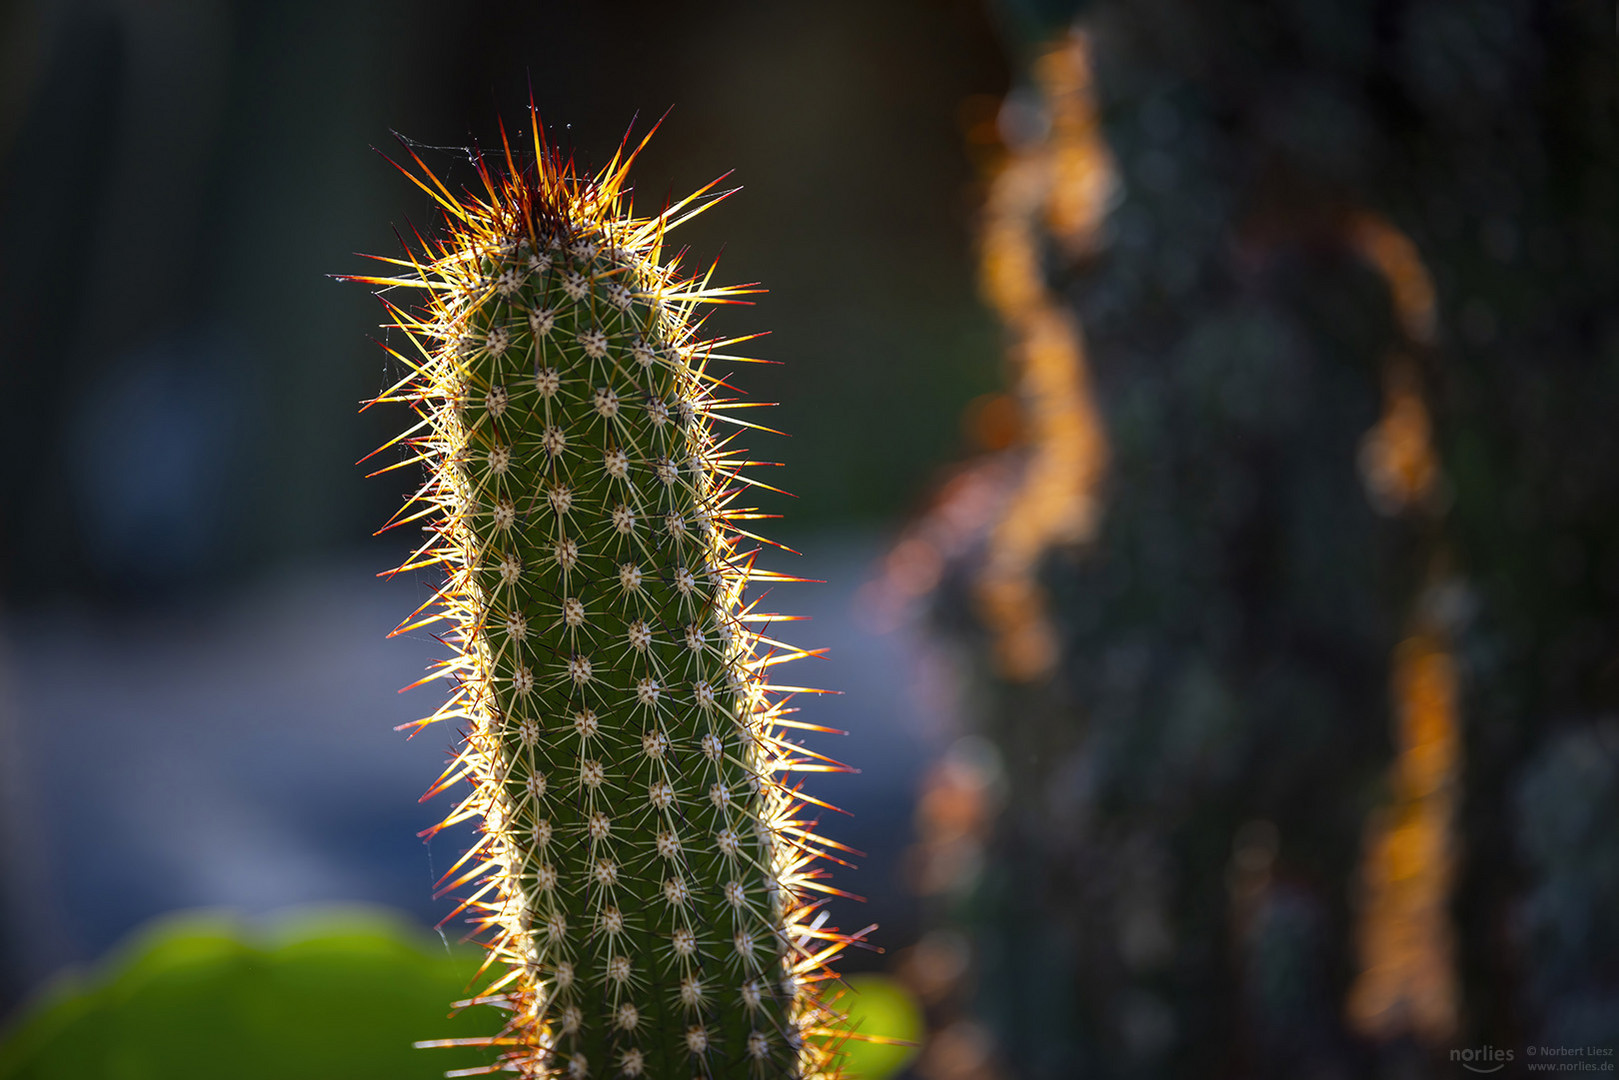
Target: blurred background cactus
column 1244, row 704
column 1302, row 577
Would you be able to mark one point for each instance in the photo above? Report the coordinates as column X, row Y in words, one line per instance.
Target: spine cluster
column 645, row 880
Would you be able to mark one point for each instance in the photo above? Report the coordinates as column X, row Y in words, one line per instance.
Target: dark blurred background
column 180, row 177
column 196, row 700
column 1204, row 417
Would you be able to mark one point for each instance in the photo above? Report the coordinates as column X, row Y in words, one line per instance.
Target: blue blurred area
column 154, row 449
column 241, row 754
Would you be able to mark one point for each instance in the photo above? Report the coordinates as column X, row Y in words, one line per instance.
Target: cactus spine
column 644, row 877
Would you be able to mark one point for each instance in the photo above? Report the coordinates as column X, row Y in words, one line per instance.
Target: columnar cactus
column 643, row 872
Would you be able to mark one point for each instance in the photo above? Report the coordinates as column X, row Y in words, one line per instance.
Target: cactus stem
column 649, row 886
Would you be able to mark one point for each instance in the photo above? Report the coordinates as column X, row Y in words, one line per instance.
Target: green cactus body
column 642, row 874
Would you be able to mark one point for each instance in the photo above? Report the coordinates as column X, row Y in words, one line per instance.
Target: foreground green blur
column 885, row 1023
column 339, row 993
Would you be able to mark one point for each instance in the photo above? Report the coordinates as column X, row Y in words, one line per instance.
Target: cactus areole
column 645, row 880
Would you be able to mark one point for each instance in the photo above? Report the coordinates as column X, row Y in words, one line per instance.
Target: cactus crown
column 645, row 881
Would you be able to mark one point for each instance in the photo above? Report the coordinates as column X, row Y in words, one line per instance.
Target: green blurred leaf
column 340, row 994
column 878, row 1007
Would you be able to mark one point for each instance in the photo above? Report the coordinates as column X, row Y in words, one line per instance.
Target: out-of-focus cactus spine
column 643, row 872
